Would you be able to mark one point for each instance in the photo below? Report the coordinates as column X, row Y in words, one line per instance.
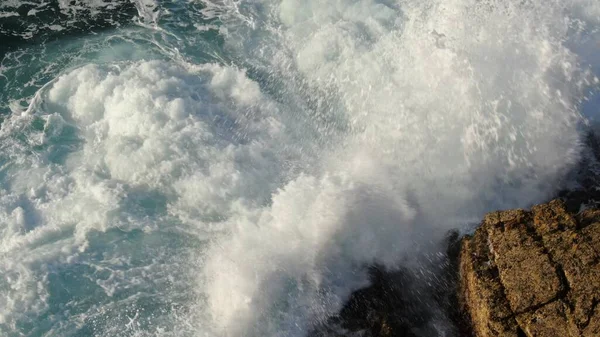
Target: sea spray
column 233, row 168
column 452, row 109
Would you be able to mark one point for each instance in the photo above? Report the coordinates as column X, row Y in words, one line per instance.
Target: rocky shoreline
column 522, row 273
column 533, row 273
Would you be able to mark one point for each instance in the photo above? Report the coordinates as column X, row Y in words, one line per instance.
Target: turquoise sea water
column 229, row 167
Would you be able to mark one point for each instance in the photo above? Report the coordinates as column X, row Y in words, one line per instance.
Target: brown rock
column 548, row 320
column 533, row 273
column 482, row 290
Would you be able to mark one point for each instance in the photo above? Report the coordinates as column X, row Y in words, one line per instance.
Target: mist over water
column 230, row 168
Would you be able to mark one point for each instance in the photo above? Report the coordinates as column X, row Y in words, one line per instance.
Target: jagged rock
column 522, row 274
column 406, row 302
column 382, row 309
column 533, row 273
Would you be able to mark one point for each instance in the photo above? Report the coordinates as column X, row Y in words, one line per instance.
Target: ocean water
column 231, row 167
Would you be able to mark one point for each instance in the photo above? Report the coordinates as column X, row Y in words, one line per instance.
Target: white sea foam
column 453, row 108
column 385, row 124
column 142, row 146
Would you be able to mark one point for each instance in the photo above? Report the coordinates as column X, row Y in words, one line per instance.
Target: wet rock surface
column 420, row 301
column 382, row 309
column 533, row 273
column 523, row 273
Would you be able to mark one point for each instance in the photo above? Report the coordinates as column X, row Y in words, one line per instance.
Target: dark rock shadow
column 406, row 302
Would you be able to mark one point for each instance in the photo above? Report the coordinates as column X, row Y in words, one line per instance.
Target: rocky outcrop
column 383, row 309
column 408, row 302
column 533, row 273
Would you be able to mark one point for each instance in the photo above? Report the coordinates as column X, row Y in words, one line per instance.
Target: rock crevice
column 533, row 273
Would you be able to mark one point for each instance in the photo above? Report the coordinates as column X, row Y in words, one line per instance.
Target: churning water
column 229, row 167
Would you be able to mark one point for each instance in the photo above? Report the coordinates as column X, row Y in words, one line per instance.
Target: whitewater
column 232, row 168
